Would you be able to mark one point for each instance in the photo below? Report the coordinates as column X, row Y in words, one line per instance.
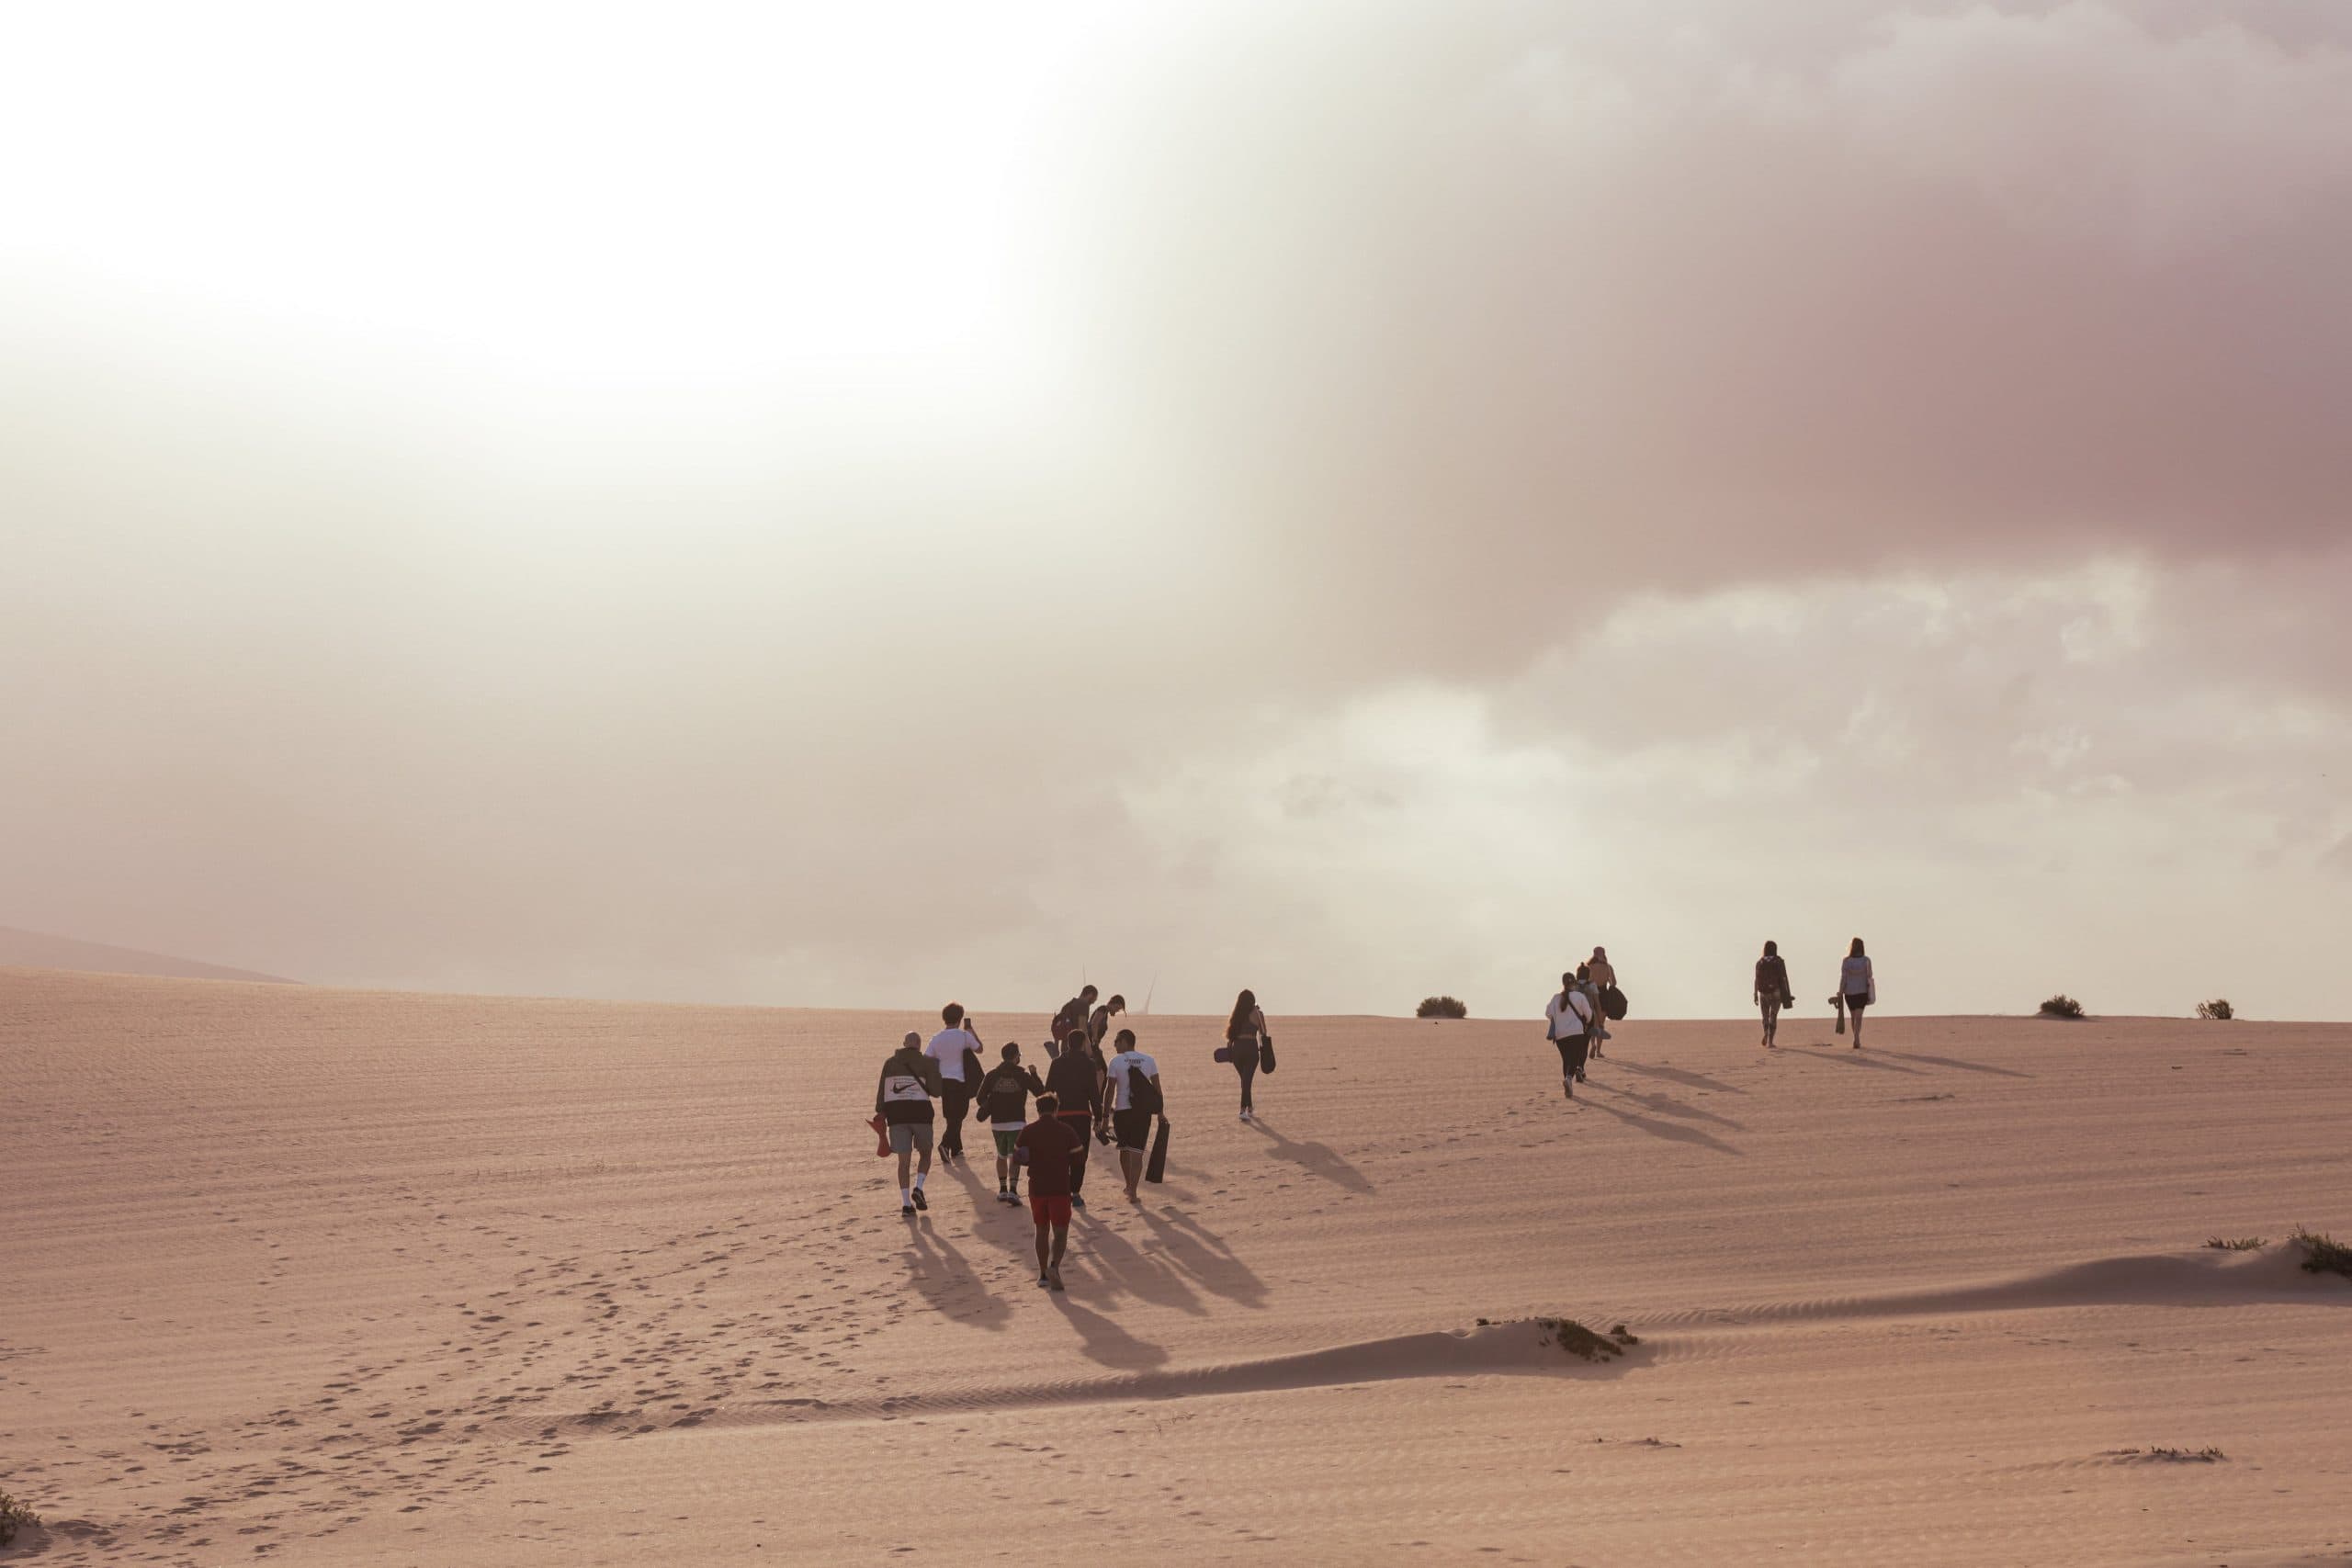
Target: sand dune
column 327, row 1277
column 37, row 949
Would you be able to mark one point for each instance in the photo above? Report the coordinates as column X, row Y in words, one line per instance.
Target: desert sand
column 325, row 1277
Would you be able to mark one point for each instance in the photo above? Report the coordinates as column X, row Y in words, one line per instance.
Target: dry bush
column 1441, row 1007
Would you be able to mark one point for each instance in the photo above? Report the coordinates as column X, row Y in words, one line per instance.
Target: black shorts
column 1856, row 1004
column 1132, row 1129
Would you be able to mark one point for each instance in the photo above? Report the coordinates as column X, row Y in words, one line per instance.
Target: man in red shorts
column 1047, row 1146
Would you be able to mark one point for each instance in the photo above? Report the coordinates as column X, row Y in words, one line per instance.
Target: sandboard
column 881, row 1136
column 1157, row 1170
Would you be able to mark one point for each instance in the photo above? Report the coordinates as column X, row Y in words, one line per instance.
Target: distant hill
column 37, row 949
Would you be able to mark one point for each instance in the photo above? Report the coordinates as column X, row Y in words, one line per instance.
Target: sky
column 862, row 506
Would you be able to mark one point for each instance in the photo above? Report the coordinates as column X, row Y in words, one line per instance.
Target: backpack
column 1612, row 1004
column 1142, row 1093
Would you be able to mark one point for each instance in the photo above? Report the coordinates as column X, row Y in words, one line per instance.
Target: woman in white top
column 1858, row 987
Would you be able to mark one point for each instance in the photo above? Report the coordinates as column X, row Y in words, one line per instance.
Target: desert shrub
column 2218, row 1008
column 2324, row 1254
column 1441, row 1007
column 1578, row 1340
column 14, row 1515
column 2242, row 1244
column 2062, row 1006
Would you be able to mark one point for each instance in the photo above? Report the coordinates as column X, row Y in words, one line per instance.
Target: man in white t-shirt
column 1568, row 1022
column 947, row 1048
column 1131, row 1123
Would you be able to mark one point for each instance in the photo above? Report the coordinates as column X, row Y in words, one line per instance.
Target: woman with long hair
column 1859, row 986
column 1244, row 1035
column 1772, row 990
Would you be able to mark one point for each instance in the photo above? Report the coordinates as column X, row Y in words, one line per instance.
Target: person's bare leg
column 1044, row 1269
column 1131, row 1162
column 1054, row 1270
column 1856, row 1024
column 906, row 1168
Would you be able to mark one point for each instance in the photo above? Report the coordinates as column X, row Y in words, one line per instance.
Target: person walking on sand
column 1098, row 1022
column 1075, row 1080
column 1568, row 1021
column 1603, row 978
column 1859, row 986
column 1134, row 1081
column 1069, row 1023
column 903, row 1101
column 1243, row 1033
column 1773, row 992
column 1003, row 1103
column 949, row 1048
column 1051, row 1148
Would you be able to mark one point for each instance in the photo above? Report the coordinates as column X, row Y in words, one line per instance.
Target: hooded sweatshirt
column 909, row 1080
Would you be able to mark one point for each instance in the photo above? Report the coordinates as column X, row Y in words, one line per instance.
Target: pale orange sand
column 326, row 1277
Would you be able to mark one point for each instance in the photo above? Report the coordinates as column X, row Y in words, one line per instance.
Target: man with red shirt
column 1047, row 1146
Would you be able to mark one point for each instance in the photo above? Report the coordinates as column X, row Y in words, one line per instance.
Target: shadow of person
column 1121, row 1266
column 942, row 1277
column 1853, row 1057
column 1956, row 1062
column 1316, row 1160
column 1104, row 1342
column 1673, row 1074
column 1667, row 1105
column 1672, row 1132
column 1201, row 1255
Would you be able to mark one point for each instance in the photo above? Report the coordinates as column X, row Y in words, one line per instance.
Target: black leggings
column 959, row 1100
column 1573, row 1050
column 1245, row 1062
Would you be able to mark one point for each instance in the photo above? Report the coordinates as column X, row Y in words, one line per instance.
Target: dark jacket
column 1772, row 977
column 909, row 1081
column 1004, row 1094
column 1075, row 1082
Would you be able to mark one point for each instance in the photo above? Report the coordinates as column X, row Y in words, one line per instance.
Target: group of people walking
column 1115, row 1097
column 1576, row 1020
column 1857, row 991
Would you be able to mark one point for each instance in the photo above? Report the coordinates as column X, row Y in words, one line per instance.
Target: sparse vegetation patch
column 2219, row 1008
column 1441, row 1007
column 14, row 1517
column 1578, row 1340
column 2168, row 1456
column 2324, row 1254
column 2242, row 1244
column 2062, row 1006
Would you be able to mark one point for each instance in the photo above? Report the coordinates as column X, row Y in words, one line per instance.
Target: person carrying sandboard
column 1136, row 1100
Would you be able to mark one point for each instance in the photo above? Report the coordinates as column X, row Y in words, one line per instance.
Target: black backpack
column 1142, row 1093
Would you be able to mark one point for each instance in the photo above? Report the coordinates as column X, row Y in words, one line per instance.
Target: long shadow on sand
column 1674, row 1074
column 1956, row 1062
column 1181, row 1263
column 1316, row 1160
column 1667, row 1105
column 941, row 1276
column 1851, row 1057
column 1657, row 1127
column 1103, row 1341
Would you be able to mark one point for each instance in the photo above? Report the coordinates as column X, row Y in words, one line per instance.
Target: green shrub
column 14, row 1515
column 2062, row 1006
column 1441, row 1007
column 1578, row 1340
column 2218, row 1008
column 2242, row 1244
column 2324, row 1254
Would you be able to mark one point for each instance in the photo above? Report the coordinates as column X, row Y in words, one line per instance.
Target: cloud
column 1471, row 481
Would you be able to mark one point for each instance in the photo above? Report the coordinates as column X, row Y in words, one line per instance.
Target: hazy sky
column 861, row 504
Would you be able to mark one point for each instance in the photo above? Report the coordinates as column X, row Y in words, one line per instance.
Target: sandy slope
column 39, row 949
column 328, row 1277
